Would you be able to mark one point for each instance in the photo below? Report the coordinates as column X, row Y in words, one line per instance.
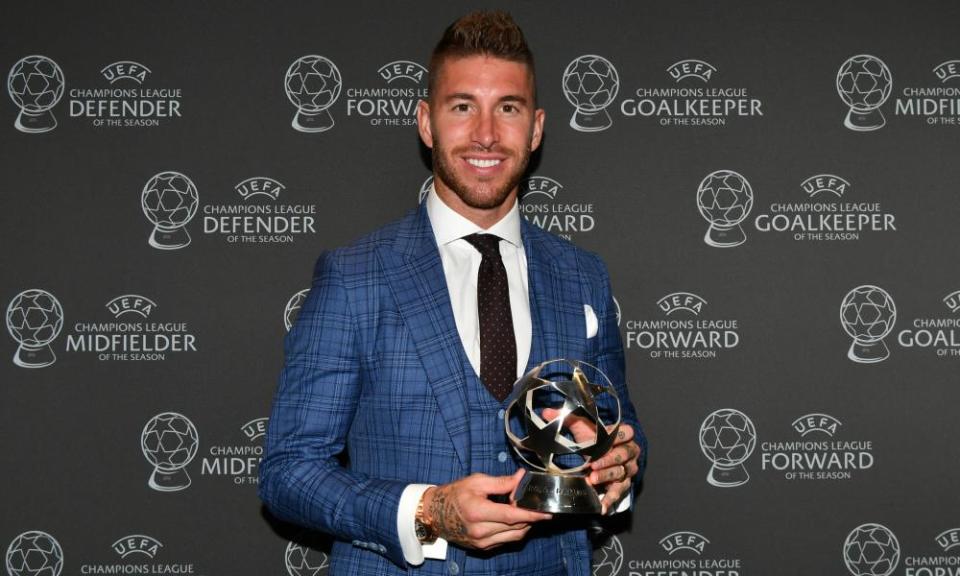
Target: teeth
column 482, row 163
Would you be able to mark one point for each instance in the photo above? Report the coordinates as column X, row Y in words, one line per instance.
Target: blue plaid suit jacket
column 375, row 365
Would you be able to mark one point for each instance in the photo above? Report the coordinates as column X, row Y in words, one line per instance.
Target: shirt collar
column 449, row 226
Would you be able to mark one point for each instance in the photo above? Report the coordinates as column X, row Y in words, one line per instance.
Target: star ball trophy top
column 583, row 398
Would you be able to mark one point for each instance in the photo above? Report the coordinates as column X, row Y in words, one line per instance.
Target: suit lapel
column 414, row 272
column 556, row 302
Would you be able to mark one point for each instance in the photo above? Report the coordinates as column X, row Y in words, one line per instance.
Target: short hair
column 482, row 33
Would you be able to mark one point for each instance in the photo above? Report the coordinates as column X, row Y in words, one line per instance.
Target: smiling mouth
column 483, row 163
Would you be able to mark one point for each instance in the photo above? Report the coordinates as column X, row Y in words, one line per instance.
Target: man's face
column 482, row 126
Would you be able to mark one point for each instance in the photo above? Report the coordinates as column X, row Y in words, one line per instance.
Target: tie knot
column 486, row 244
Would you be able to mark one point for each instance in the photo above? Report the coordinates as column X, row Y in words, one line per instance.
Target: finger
column 502, row 538
column 486, row 484
column 487, row 511
column 609, row 474
column 624, row 434
column 615, row 491
column 616, row 456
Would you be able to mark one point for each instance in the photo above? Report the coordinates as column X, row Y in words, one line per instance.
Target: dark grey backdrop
column 73, row 226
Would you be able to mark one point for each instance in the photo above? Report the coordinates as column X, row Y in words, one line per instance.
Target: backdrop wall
column 772, row 185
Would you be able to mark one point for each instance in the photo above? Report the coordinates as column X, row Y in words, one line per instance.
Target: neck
column 482, row 217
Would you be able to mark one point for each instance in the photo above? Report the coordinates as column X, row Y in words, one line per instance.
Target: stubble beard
column 482, row 195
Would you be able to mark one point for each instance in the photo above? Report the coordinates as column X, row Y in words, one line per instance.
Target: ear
column 423, row 123
column 538, row 117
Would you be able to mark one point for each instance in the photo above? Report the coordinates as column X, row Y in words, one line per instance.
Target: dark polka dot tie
column 498, row 345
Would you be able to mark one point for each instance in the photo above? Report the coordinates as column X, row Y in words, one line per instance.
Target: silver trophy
column 586, row 403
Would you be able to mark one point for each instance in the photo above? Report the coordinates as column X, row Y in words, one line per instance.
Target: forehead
column 483, row 75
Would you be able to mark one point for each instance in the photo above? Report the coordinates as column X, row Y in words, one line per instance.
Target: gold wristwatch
column 426, row 530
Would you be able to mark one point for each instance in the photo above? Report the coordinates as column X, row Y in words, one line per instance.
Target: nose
column 485, row 129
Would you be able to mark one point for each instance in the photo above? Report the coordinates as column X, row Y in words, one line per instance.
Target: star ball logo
column 544, row 203
column 936, row 103
column 312, row 84
column 260, row 216
column 169, row 442
column 590, row 84
column 938, row 332
column 169, row 201
column 683, row 334
column 238, row 462
column 686, row 552
column 607, row 555
column 727, row 438
column 868, row 315
column 303, row 560
column 394, row 101
column 292, row 310
column 825, row 215
column 864, row 83
column 34, row 553
column 35, row 84
column 871, row 550
column 724, row 199
column 691, row 100
column 134, row 336
column 126, row 101
column 34, row 319
column 818, row 454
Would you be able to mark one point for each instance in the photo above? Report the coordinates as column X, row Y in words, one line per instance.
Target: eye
column 461, row 107
column 510, row 108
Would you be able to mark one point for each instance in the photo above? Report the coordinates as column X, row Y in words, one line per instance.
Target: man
column 410, row 339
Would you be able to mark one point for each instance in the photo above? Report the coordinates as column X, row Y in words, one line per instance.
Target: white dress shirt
column 461, row 267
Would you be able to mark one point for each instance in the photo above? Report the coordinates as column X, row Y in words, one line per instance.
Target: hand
column 465, row 515
column 615, row 469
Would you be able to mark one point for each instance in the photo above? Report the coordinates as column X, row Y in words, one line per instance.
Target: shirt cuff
column 622, row 506
column 413, row 551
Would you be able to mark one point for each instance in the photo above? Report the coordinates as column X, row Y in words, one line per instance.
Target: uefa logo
column 34, row 553
column 728, row 438
column 864, row 83
column 35, row 84
column 292, row 310
column 169, row 442
column 608, row 557
column 871, row 550
column 724, row 199
column 590, row 84
column 169, row 200
column 305, row 561
column 312, row 84
column 34, row 319
column 868, row 315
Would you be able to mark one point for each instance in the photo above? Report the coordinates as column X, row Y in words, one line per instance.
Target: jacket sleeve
column 610, row 356
column 301, row 477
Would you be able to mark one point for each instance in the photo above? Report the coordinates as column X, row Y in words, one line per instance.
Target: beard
column 480, row 195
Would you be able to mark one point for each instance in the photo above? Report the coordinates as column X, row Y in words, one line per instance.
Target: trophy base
column 868, row 353
column 864, row 120
column 169, row 480
column 34, row 357
column 169, row 239
column 557, row 494
column 591, row 121
column 319, row 122
column 725, row 237
column 35, row 123
column 728, row 476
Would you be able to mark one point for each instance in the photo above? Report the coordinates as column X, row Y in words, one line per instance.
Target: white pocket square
column 592, row 324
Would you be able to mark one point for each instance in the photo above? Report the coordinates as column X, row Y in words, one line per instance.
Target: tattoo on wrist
column 446, row 515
